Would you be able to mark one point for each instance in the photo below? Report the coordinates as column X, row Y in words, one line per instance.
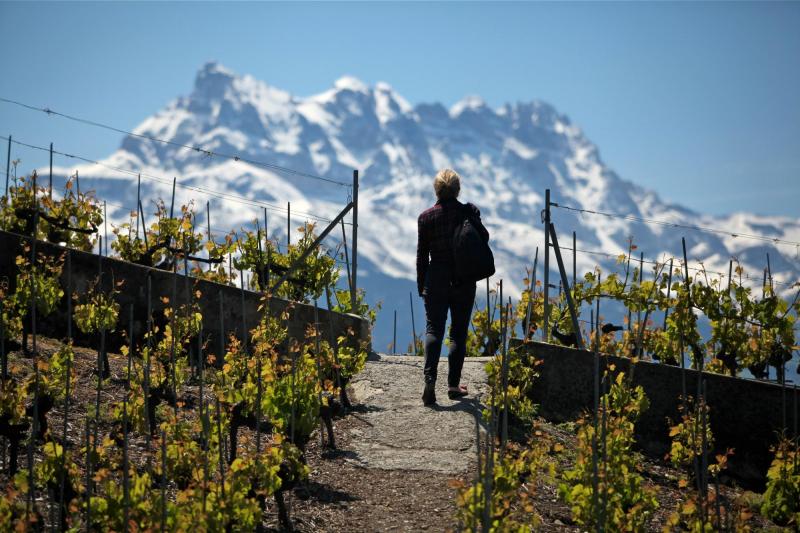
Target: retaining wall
column 745, row 415
column 216, row 317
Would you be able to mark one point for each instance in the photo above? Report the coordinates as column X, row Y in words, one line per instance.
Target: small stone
column 558, row 522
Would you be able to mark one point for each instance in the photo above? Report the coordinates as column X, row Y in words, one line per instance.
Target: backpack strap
column 468, row 210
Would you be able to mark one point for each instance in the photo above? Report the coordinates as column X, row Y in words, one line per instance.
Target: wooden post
column 32, row 310
column 504, row 369
column 172, row 203
column 138, row 203
column 8, row 164
column 575, row 326
column 596, row 397
column 413, row 324
column 346, row 259
column 290, row 270
column 105, row 226
column 51, row 172
column 146, row 377
column 221, row 347
column 88, row 468
column 164, row 479
column 669, row 289
column 531, row 295
column 636, row 347
column 245, row 336
column 574, row 259
column 208, row 225
column 354, row 273
column 61, row 506
column 36, row 209
column 125, row 473
column 144, row 228
column 266, row 248
column 769, row 275
column 288, row 225
column 488, row 318
column 688, row 292
column 260, row 263
column 546, row 318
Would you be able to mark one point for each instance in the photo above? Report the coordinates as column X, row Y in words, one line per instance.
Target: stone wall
column 745, row 415
column 222, row 306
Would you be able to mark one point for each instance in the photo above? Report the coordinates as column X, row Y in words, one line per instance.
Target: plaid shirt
column 435, row 228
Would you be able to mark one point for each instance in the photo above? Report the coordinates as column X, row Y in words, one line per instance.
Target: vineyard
column 174, row 417
column 603, row 477
column 158, row 430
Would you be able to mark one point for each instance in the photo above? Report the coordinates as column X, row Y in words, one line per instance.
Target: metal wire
column 677, row 225
column 198, row 149
column 167, row 181
column 651, row 262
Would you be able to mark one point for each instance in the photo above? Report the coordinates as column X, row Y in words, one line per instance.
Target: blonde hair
column 447, row 184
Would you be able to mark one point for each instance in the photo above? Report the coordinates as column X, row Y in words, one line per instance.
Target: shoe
column 429, row 395
column 456, row 394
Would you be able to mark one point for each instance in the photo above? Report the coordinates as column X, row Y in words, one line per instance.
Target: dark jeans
column 439, row 297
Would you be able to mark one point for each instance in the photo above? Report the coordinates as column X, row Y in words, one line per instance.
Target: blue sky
column 700, row 102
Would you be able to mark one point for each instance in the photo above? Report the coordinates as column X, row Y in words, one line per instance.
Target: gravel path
column 396, row 460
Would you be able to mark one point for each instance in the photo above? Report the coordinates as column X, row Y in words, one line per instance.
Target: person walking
column 438, row 281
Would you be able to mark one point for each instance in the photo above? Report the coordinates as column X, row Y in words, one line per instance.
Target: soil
column 343, row 496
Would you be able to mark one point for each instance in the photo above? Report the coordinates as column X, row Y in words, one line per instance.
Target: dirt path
column 395, row 458
column 402, row 434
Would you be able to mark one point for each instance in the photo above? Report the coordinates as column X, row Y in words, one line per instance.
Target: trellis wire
column 198, row 149
column 694, row 269
column 665, row 223
column 166, row 181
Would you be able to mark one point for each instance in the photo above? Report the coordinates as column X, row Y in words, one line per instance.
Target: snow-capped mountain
column 507, row 158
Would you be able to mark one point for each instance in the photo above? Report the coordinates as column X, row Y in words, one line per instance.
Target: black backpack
column 472, row 258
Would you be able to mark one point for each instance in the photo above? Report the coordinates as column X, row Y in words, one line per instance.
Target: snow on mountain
column 507, row 158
